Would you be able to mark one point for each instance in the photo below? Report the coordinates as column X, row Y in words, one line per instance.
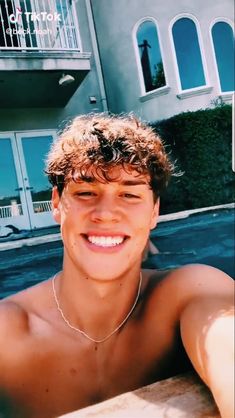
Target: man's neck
column 96, row 307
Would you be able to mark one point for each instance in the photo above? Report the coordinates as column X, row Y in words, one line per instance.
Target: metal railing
column 15, row 209
column 38, row 25
column 42, row 206
column 11, row 211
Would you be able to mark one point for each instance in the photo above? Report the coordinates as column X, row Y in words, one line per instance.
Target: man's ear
column 55, row 200
column 155, row 214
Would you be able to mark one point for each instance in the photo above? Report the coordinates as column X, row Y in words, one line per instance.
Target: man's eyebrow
column 85, row 179
column 137, row 182
column 133, row 182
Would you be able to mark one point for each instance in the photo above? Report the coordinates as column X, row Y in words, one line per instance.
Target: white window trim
column 197, row 91
column 202, row 51
column 42, row 132
column 156, row 92
column 227, row 97
column 214, row 21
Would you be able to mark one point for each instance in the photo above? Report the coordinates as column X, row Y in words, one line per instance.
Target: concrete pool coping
column 52, row 237
column 182, row 396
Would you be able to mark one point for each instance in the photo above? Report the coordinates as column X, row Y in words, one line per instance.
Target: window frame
column 193, row 90
column 226, row 94
column 145, row 95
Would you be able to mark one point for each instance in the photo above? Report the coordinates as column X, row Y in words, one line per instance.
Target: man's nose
column 106, row 210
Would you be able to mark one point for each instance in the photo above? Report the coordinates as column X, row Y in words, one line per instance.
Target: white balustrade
column 43, row 206
column 11, row 210
column 38, row 25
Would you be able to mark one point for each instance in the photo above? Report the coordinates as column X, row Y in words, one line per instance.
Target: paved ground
column 201, row 238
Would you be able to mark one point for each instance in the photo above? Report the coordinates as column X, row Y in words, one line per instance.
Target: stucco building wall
column 115, row 24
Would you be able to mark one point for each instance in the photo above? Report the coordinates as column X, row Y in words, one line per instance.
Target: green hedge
column 201, row 144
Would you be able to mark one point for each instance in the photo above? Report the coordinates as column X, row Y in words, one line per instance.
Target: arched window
column 188, row 54
column 223, row 41
column 150, row 56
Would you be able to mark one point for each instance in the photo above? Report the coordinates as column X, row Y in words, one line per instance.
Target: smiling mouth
column 105, row 241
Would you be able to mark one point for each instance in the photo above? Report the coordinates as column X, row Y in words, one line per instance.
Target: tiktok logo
column 15, row 18
column 34, row 16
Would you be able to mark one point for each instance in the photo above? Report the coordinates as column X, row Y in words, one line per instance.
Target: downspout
column 96, row 55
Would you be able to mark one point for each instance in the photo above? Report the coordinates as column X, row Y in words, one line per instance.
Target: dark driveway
column 202, row 238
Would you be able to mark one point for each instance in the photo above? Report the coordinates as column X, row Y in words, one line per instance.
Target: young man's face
column 105, row 226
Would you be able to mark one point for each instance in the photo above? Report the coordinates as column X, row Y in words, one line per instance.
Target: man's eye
column 84, row 194
column 130, row 196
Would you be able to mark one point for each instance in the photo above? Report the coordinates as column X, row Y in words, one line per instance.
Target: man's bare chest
column 59, row 375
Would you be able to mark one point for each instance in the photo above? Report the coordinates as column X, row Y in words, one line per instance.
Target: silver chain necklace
column 82, row 332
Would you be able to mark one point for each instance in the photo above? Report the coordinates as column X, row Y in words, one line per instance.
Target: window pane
column 35, row 150
column 223, row 40
column 10, row 203
column 188, row 54
column 150, row 56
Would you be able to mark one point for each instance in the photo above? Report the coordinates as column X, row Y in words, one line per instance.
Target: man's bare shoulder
column 12, row 315
column 199, row 279
column 15, row 310
column 179, row 286
column 191, row 274
column 14, row 331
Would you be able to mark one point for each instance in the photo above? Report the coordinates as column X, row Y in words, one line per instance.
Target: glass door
column 13, row 205
column 33, row 147
column 25, row 193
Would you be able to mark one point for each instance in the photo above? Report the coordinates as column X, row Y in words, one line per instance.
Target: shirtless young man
column 102, row 326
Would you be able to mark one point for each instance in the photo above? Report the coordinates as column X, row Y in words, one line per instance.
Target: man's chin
column 103, row 276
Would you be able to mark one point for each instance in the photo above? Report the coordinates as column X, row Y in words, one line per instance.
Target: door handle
column 29, row 188
column 19, row 189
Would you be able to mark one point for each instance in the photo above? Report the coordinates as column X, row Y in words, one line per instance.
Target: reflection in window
column 150, row 56
column 188, row 54
column 8, row 189
column 35, row 150
column 10, row 203
column 223, row 40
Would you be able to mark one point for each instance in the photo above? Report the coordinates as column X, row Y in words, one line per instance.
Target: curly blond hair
column 95, row 143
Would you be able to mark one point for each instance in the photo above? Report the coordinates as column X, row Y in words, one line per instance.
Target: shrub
column 201, row 144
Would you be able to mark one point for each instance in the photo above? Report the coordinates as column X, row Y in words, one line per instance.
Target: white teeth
column 105, row 241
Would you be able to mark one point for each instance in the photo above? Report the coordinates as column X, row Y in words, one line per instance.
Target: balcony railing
column 10, row 211
column 42, row 206
column 16, row 209
column 38, row 25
